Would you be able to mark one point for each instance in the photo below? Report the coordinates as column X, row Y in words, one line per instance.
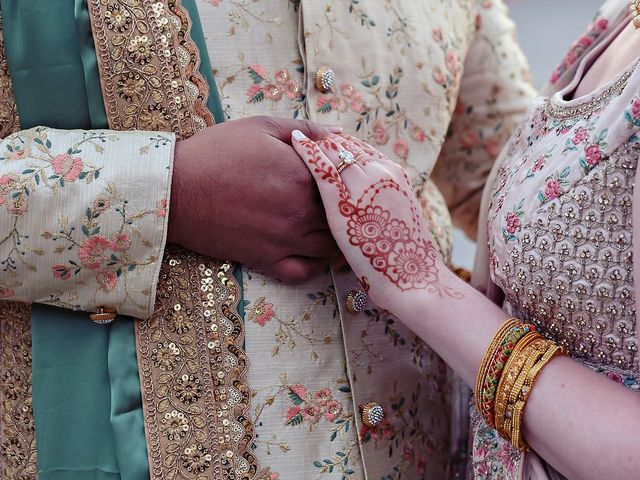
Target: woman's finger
column 324, row 171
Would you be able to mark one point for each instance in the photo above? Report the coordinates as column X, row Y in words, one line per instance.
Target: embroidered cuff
column 83, row 217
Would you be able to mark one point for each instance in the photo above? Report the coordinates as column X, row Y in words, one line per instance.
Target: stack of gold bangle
column 516, row 356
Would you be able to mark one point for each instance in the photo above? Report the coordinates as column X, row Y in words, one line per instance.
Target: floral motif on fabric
column 578, row 49
column 104, row 253
column 567, row 263
column 274, row 87
column 493, row 458
column 149, row 66
column 299, row 328
column 193, row 372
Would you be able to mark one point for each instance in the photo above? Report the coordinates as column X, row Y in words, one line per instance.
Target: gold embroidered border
column 18, row 459
column 192, row 368
column 149, row 66
column 9, row 122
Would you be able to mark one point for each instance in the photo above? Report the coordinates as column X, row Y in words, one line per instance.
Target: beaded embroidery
column 9, row 122
column 149, row 66
column 572, row 271
column 192, row 368
column 18, row 458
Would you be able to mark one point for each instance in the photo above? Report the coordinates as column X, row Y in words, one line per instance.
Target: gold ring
column 347, row 159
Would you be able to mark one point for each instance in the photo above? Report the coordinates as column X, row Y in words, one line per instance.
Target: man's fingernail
column 334, row 129
column 298, row 136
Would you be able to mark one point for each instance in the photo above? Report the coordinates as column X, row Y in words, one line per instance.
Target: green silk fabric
column 86, row 388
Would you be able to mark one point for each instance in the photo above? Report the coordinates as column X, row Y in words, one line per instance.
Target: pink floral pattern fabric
column 398, row 88
column 75, row 232
column 560, row 227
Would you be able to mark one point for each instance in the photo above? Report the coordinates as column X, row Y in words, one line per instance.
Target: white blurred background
column 546, row 28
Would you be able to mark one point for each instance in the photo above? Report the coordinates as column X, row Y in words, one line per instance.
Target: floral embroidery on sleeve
column 74, row 231
column 577, row 50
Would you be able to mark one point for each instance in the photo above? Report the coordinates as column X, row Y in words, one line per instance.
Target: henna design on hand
column 394, row 248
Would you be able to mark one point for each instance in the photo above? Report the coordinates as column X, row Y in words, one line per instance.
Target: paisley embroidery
column 149, row 66
column 192, row 368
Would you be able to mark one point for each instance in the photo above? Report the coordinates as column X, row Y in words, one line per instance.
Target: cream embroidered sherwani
column 423, row 81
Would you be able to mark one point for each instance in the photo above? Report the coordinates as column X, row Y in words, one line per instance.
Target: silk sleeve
column 495, row 93
column 83, row 217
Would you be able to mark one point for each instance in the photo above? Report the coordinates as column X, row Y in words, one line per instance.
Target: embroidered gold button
column 104, row 315
column 356, row 301
column 325, row 77
column 372, row 414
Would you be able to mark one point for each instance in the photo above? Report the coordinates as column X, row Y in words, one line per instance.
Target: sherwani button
column 356, row 301
column 103, row 315
column 325, row 77
column 372, row 414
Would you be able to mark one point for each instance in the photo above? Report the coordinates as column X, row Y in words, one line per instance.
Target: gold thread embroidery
column 18, row 458
column 9, row 122
column 192, row 368
column 149, row 66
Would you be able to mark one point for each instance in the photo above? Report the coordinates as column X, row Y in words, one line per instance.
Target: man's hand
column 240, row 192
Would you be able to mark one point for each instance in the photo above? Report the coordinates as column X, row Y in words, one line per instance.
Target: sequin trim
column 149, row 66
column 588, row 107
column 193, row 372
column 18, row 458
column 9, row 121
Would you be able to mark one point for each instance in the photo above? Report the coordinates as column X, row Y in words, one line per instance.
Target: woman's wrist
column 424, row 305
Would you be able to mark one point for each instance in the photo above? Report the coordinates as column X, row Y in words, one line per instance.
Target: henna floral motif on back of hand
column 395, row 247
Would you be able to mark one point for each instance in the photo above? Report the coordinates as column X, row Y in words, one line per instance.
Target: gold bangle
column 527, row 347
column 553, row 350
column 488, row 355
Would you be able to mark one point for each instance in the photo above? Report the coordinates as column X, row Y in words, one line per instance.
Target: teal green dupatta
column 86, row 389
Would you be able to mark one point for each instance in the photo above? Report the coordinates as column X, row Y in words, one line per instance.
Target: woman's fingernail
column 298, row 136
column 334, row 129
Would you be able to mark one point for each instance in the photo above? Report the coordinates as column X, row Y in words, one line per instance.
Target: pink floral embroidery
column 552, row 189
column 580, row 135
column 67, row 166
column 121, row 243
column 380, row 134
column 161, row 208
column 6, row 293
column 580, row 47
column 401, row 148
column 593, row 155
column 632, row 115
column 62, row 271
column 349, row 98
column 333, row 410
column 18, row 206
column 101, row 204
column 418, row 134
column 513, row 223
column 107, row 280
column 272, row 88
column 262, row 312
column 8, row 182
column 311, row 408
column 323, row 396
column 312, row 413
column 451, row 61
column 299, row 390
column 93, row 252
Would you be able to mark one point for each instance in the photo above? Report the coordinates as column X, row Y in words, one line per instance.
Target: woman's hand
column 376, row 221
